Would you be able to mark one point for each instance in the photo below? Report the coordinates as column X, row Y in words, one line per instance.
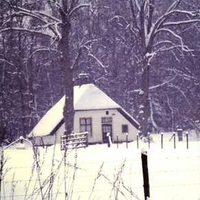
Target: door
column 105, row 129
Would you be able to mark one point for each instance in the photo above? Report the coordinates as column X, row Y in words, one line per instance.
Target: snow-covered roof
column 90, row 97
column 86, row 97
column 20, row 143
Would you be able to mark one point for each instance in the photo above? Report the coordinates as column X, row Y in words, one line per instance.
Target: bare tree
column 53, row 20
column 155, row 32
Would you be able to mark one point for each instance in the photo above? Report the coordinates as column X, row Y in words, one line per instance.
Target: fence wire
column 114, row 173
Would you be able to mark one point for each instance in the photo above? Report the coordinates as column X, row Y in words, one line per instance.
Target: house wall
column 46, row 140
column 117, row 121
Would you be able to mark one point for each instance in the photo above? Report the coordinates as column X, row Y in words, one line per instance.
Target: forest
column 143, row 53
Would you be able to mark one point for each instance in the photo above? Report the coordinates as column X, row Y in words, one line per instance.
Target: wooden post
column 149, row 140
column 161, row 140
column 174, row 140
column 117, row 141
column 187, row 140
column 127, row 140
column 65, row 173
column 144, row 157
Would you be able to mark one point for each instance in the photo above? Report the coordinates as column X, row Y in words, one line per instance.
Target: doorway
column 105, row 129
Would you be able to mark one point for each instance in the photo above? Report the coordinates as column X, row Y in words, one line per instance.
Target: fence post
column 161, row 140
column 127, row 140
column 187, row 140
column 149, row 140
column 144, row 157
column 117, row 141
column 174, row 140
column 138, row 141
column 65, row 173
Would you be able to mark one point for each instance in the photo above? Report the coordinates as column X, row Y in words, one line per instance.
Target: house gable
column 86, row 97
column 128, row 117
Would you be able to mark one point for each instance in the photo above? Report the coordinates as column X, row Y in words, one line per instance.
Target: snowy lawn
column 99, row 172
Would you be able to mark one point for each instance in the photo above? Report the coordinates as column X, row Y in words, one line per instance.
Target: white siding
column 96, row 115
column 117, row 121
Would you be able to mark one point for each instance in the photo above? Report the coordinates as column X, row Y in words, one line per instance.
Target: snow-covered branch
column 98, row 61
column 37, row 14
column 185, row 22
column 77, row 8
column 134, row 13
column 176, row 36
column 40, row 49
column 181, row 74
column 171, row 48
column 4, row 60
column 174, row 5
column 162, row 84
column 158, row 25
column 167, row 16
column 182, row 93
column 163, row 43
column 52, row 25
column 25, row 30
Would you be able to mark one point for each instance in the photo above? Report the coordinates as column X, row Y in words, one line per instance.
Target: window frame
column 125, row 128
column 83, row 127
column 106, row 120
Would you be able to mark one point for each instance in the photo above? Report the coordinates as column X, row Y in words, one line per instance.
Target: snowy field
column 101, row 173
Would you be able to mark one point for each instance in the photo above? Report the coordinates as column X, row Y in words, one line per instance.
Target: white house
column 95, row 113
column 20, row 143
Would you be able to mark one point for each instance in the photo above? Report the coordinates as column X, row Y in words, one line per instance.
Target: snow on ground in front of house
column 99, row 172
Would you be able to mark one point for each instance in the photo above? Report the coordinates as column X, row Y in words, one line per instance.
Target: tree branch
column 185, row 22
column 38, row 50
column 133, row 12
column 174, row 5
column 25, row 30
column 150, row 15
column 159, row 23
column 183, row 47
column 6, row 61
column 98, row 61
column 37, row 14
column 182, row 93
column 162, row 84
column 77, row 8
column 51, row 25
column 164, row 42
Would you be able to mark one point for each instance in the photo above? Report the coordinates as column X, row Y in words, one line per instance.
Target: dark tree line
column 45, row 45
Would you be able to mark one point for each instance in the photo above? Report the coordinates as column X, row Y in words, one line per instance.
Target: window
column 106, row 120
column 125, row 128
column 86, row 125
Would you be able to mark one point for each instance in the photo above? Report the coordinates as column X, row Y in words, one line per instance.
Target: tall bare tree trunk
column 68, row 112
column 144, row 105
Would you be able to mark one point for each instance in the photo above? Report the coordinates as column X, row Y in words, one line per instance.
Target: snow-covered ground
column 99, row 172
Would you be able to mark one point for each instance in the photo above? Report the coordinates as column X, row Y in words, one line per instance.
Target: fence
column 99, row 172
column 75, row 140
column 163, row 141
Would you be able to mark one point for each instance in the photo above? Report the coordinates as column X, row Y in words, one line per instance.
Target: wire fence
column 171, row 140
column 98, row 172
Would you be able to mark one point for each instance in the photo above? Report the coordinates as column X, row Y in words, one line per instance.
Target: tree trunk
column 144, row 106
column 68, row 112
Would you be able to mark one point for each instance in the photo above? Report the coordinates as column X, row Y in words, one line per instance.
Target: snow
column 53, row 116
column 86, row 97
column 92, row 98
column 99, row 172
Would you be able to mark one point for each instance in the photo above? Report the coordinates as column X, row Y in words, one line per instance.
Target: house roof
column 20, row 143
column 86, row 97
